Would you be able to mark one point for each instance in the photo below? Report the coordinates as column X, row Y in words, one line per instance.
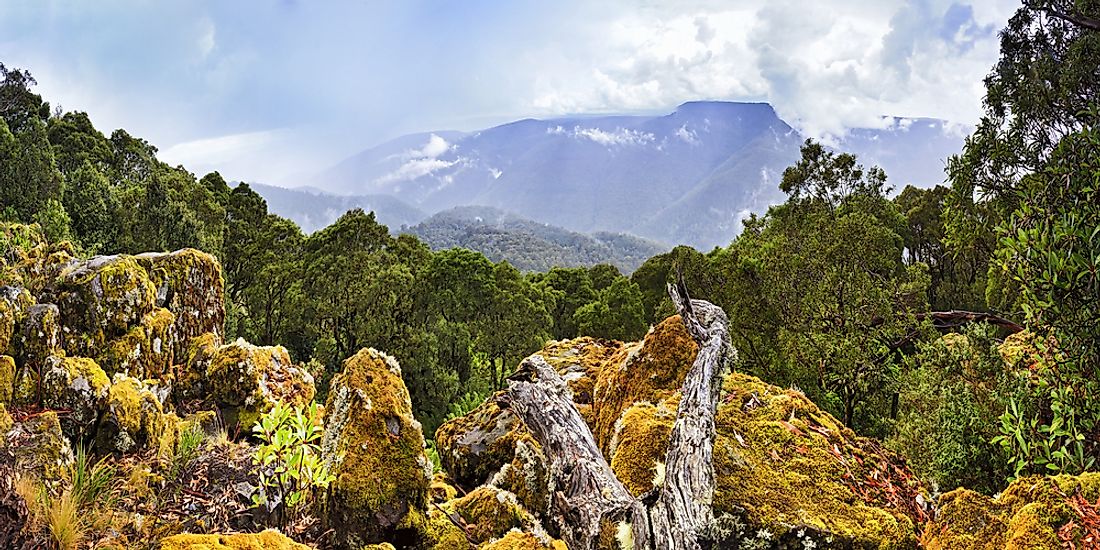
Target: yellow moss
column 490, row 513
column 100, row 300
column 146, row 350
column 439, row 533
column 650, row 372
column 78, row 385
column 381, row 546
column 641, row 442
column 191, row 373
column 579, row 362
column 267, row 540
column 7, row 378
column 135, row 418
column 1028, row 514
column 40, row 447
column 440, row 490
column 189, row 283
column 248, row 380
column 7, row 324
column 374, row 448
column 6, row 420
column 517, row 540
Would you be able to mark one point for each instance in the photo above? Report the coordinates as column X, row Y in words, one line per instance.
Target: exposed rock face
column 78, row 385
column 267, row 540
column 1033, row 512
column 248, row 380
column 146, row 350
column 475, row 446
column 375, row 449
column 100, row 299
column 189, row 284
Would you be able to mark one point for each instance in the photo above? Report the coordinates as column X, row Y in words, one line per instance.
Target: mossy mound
column 440, row 489
column 640, row 444
column 267, row 540
column 100, row 299
column 489, row 513
column 28, row 260
column 7, row 379
column 248, row 380
column 189, row 284
column 1033, row 512
column 78, row 385
column 14, row 303
column 146, row 350
column 526, row 476
column 191, row 382
column 135, row 418
column 375, row 449
column 579, row 361
column 518, row 540
column 6, row 421
column 37, row 446
column 474, row 447
column 651, row 373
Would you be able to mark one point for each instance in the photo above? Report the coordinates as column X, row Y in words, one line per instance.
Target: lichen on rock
column 78, row 385
column 247, row 381
column 1033, row 512
column 37, row 446
column 146, row 350
column 189, row 284
column 375, row 449
column 135, row 418
column 7, row 379
column 100, row 299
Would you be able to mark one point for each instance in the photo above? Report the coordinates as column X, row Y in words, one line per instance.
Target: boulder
column 472, row 448
column 518, row 540
column 146, row 350
column 1034, row 512
column 189, row 284
column 489, row 513
column 191, row 380
column 78, row 385
column 134, row 418
column 14, row 303
column 100, row 300
column 247, row 381
column 42, row 334
column 266, row 540
column 28, row 260
column 37, row 446
column 375, row 449
column 579, row 361
column 7, row 379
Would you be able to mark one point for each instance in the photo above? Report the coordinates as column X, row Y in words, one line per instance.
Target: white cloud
column 689, row 136
column 616, row 137
column 220, row 149
column 414, row 169
column 435, row 147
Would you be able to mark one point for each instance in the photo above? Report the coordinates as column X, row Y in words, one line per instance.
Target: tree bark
column 588, row 502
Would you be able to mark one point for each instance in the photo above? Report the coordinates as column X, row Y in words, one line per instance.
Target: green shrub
column 289, row 460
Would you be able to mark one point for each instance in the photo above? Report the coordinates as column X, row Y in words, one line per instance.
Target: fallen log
column 590, row 506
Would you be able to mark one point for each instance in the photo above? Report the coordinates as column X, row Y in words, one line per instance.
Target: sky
column 277, row 90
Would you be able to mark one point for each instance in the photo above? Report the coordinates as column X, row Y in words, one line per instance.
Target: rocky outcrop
column 37, row 446
column 375, row 449
column 1033, row 512
column 78, row 385
column 135, row 418
column 189, row 284
column 247, row 381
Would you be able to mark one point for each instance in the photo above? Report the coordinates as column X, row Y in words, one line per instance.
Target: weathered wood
column 587, row 500
column 585, row 496
column 683, row 515
column 944, row 320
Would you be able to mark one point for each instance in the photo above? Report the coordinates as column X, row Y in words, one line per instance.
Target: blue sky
column 274, row 90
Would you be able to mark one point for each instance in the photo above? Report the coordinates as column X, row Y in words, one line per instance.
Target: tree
column 54, row 221
column 617, row 314
column 19, row 106
column 569, row 289
column 516, row 322
column 88, row 200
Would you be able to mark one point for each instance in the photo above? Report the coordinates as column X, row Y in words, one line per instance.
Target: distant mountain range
column 529, row 245
column 686, row 177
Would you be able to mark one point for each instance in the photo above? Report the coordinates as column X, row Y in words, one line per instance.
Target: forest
column 957, row 324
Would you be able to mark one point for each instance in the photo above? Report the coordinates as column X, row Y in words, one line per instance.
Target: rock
column 7, row 379
column 266, row 540
column 518, row 540
column 28, row 260
column 38, row 446
column 100, row 299
column 135, row 418
column 41, row 334
column 1031, row 513
column 375, row 449
column 189, row 284
column 248, row 380
column 474, row 447
column 579, row 362
column 490, row 513
column 14, row 303
column 191, row 380
column 640, row 443
column 78, row 385
column 6, row 421
column 146, row 350
column 440, row 490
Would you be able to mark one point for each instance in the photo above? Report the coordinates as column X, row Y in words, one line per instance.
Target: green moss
column 517, row 540
column 78, row 385
column 41, row 334
column 191, row 372
column 6, row 421
column 640, row 444
column 579, row 361
column 1029, row 514
column 135, row 418
column 7, row 379
column 189, row 284
column 489, row 513
column 266, row 540
column 40, row 448
column 440, row 533
column 146, row 350
column 650, row 372
column 7, row 324
column 440, row 490
column 374, row 448
column 248, row 381
column 101, row 299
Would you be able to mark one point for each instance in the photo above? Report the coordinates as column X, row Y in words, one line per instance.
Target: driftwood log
column 590, row 506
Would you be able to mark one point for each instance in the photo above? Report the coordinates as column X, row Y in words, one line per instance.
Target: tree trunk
column 588, row 503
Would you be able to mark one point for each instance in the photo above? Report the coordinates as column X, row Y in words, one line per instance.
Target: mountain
column 685, row 177
column 530, row 245
column 312, row 209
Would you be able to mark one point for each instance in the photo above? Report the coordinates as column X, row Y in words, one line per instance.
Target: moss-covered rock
column 14, row 303
column 375, row 449
column 189, row 284
column 489, row 513
column 78, row 385
column 146, row 350
column 474, row 447
column 37, row 446
column 640, row 444
column 7, row 379
column 267, row 540
column 6, row 421
column 248, row 380
column 100, row 299
column 519, row 540
column 579, row 361
column 1032, row 513
column 28, row 260
column 191, row 382
column 41, row 335
column 440, row 489
column 650, row 372
column 135, row 418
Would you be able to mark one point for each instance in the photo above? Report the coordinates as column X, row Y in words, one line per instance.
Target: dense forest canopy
column 834, row 291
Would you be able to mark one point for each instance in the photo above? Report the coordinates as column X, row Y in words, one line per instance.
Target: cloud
column 414, row 169
column 689, row 136
column 207, row 39
column 435, row 147
column 613, row 138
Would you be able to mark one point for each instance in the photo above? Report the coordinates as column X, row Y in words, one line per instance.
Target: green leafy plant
column 289, row 460
column 1058, row 446
column 92, row 482
column 187, row 448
